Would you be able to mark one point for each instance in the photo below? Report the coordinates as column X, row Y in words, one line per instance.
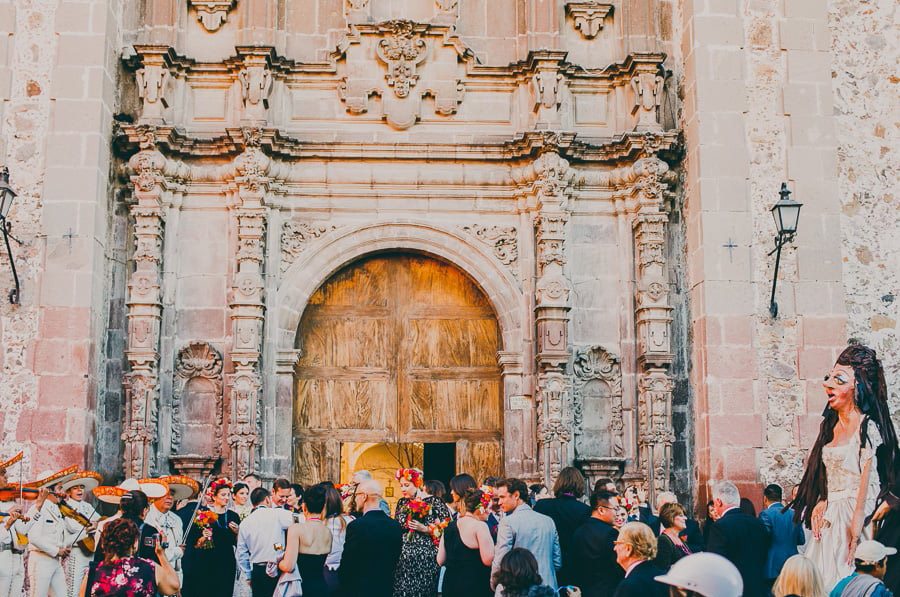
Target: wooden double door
column 398, row 348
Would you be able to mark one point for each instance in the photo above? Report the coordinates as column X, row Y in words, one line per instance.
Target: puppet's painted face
column 840, row 386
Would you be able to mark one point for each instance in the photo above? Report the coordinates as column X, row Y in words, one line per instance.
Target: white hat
column 87, row 479
column 50, row 478
column 154, row 488
column 872, row 552
column 708, row 574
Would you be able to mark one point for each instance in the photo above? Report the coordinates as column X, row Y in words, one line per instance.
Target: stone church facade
column 255, row 230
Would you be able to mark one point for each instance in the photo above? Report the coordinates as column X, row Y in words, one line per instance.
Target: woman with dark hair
column 518, row 576
column 309, row 543
column 240, row 494
column 121, row 573
column 436, row 488
column 336, row 521
column 459, row 485
column 209, row 563
column 134, row 506
column 467, row 549
column 840, row 485
column 711, row 517
column 568, row 513
column 747, row 507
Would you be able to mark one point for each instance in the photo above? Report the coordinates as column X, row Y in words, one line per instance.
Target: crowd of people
column 475, row 538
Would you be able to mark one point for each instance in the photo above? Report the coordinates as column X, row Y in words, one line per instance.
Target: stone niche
column 599, row 422
column 197, row 410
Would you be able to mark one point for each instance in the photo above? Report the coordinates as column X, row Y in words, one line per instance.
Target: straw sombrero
column 112, row 494
column 87, row 479
column 182, row 488
column 12, row 461
column 50, row 478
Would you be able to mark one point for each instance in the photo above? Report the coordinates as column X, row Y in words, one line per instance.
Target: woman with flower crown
column 424, row 517
column 467, row 548
column 209, row 563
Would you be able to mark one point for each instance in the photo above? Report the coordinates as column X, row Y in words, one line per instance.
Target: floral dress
column 417, row 569
column 126, row 577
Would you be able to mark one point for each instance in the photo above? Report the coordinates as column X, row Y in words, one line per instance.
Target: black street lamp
column 787, row 215
column 7, row 196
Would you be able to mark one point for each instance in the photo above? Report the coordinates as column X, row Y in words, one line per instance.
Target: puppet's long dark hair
column 871, row 398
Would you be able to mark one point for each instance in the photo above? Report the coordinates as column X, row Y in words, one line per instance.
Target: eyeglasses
column 839, row 379
column 606, row 507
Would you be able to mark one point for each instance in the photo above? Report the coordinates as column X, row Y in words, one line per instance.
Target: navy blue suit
column 786, row 536
column 743, row 540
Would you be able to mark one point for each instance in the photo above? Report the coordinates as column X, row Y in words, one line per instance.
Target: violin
column 87, row 545
column 10, row 493
column 22, row 539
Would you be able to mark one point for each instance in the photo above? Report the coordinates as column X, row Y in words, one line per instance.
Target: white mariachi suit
column 77, row 562
column 46, row 537
column 12, row 562
column 170, row 525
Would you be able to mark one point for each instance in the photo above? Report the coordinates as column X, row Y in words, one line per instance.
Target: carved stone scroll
column 255, row 79
column 402, row 50
column 588, row 17
column 152, row 79
column 295, row 237
column 548, row 86
column 598, row 418
column 503, row 241
column 648, row 86
column 197, row 402
column 212, row 13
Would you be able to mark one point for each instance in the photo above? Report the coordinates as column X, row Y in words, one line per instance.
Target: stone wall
column 865, row 48
column 60, row 75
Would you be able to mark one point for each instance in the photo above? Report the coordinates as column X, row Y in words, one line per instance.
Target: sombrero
column 182, row 487
column 112, row 494
column 12, row 461
column 50, row 478
column 87, row 479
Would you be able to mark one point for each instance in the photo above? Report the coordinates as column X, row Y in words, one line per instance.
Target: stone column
column 144, row 310
column 551, row 310
column 653, row 322
column 247, row 305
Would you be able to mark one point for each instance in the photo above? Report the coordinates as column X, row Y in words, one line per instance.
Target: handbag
column 289, row 584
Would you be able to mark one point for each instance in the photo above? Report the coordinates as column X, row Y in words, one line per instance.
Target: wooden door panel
column 329, row 403
column 479, row 458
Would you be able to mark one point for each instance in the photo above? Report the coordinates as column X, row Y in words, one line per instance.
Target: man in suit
column 592, row 559
column 523, row 527
column 372, row 546
column 259, row 536
column 568, row 513
column 741, row 538
column 634, row 548
column 786, row 535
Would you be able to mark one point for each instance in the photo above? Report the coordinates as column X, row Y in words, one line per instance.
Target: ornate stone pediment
column 405, row 50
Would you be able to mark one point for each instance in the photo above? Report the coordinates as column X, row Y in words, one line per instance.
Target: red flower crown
column 215, row 486
column 413, row 475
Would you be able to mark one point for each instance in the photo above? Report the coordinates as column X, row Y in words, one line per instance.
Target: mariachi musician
column 14, row 527
column 47, row 541
column 167, row 522
column 133, row 498
column 81, row 522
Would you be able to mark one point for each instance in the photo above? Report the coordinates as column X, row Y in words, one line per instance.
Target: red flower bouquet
column 417, row 510
column 205, row 520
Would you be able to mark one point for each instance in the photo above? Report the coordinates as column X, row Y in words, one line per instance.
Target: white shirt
column 170, row 525
column 338, row 535
column 258, row 535
column 48, row 533
column 8, row 537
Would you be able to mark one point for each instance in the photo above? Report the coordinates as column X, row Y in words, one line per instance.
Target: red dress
column 126, row 577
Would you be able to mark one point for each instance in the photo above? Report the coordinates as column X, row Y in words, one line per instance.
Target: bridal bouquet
column 417, row 510
column 205, row 520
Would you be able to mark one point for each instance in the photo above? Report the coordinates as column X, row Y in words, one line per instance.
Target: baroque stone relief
column 212, row 13
column 295, row 237
column 503, row 241
column 588, row 17
column 598, row 419
column 197, row 361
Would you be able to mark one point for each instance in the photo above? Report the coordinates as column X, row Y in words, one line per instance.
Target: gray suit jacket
column 532, row 531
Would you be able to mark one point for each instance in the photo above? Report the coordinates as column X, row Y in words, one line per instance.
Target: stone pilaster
column 551, row 313
column 144, row 311
column 653, row 318
column 247, row 305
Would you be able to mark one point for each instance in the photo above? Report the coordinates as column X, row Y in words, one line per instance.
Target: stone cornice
column 176, row 143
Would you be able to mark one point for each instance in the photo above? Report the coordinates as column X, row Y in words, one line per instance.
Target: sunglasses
column 839, row 379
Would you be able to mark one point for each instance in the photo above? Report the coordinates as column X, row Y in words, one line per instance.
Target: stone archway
column 399, row 348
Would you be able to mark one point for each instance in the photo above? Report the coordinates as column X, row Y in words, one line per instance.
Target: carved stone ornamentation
column 244, row 436
column 555, row 421
column 502, row 239
column 598, row 391
column 447, row 5
column 545, row 87
column 295, row 237
column 152, row 80
column 255, row 79
column 588, row 17
column 212, row 13
column 402, row 50
column 357, row 4
column 655, row 435
column 648, row 90
column 198, row 361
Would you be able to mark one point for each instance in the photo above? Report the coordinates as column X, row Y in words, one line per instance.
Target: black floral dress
column 417, row 569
